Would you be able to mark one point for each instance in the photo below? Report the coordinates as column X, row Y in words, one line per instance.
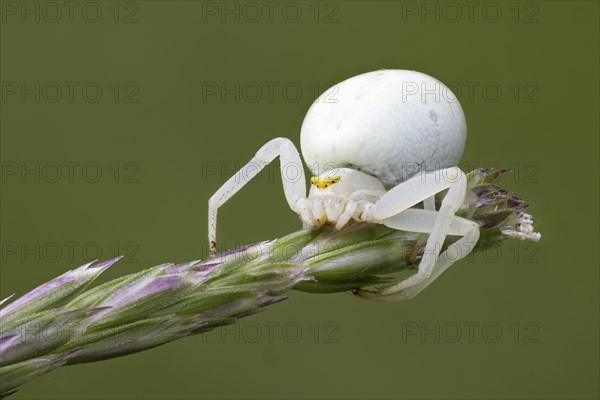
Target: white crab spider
column 381, row 123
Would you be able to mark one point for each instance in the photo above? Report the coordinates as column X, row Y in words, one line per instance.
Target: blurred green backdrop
column 119, row 120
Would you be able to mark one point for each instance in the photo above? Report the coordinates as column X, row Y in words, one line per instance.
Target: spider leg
column 415, row 220
column 346, row 215
column 429, row 203
column 292, row 176
column 393, row 210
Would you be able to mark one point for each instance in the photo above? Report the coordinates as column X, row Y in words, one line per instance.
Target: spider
column 390, row 141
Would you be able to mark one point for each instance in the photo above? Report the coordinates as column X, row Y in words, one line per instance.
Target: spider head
column 332, row 191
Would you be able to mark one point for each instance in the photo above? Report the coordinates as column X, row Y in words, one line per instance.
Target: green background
column 545, row 127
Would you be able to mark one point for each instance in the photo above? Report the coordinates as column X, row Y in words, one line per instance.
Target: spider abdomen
column 389, row 124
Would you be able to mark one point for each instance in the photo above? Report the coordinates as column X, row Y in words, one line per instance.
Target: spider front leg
column 294, row 187
column 393, row 210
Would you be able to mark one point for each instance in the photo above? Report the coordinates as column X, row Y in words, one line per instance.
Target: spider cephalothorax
column 337, row 196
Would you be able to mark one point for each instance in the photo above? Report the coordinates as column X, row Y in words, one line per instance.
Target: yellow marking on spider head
column 323, row 183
